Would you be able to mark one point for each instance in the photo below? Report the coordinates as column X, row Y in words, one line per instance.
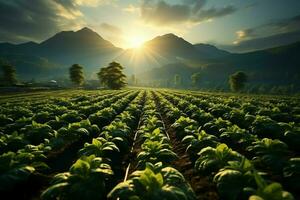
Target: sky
column 236, row 25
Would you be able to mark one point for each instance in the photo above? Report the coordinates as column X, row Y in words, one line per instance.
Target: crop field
column 149, row 144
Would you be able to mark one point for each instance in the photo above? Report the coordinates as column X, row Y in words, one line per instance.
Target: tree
column 237, row 81
column 195, row 79
column 76, row 74
column 9, row 74
column 177, row 80
column 112, row 76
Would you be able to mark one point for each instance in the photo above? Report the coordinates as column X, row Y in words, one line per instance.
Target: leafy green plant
column 12, row 171
column 216, row 126
column 270, row 153
column 151, row 184
column 155, row 151
column 198, row 141
column 292, row 138
column 57, row 123
column 212, row 159
column 236, row 116
column 4, row 120
column 266, row 191
column 127, row 118
column 102, row 117
column 119, row 133
column 36, row 133
column 266, row 127
column 86, row 179
column 20, row 111
column 99, row 147
column 233, row 178
column 71, row 117
column 218, row 110
column 155, row 135
column 174, row 113
column 292, row 173
column 202, row 117
column 72, row 133
column 12, row 142
column 237, row 137
column 151, row 123
column 42, row 117
column 181, row 124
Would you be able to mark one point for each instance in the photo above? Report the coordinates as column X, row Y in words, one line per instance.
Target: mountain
column 171, row 46
column 158, row 59
column 167, row 49
column 84, row 46
column 278, row 65
column 210, row 51
column 65, row 48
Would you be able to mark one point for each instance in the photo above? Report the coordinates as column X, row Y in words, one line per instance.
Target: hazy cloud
column 263, row 42
column 131, row 9
column 244, row 35
column 160, row 12
column 110, row 32
column 267, row 30
column 110, row 28
column 92, row 3
column 22, row 20
column 271, row 34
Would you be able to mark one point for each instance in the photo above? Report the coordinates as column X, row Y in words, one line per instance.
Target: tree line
column 112, row 77
column 236, row 81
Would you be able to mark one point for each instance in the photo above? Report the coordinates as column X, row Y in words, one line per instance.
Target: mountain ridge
column 91, row 50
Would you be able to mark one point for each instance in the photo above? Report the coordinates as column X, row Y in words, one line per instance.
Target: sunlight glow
column 136, row 41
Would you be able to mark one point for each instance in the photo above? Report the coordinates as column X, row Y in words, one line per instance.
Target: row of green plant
column 214, row 158
column 92, row 174
column 154, row 177
column 15, row 166
column 28, row 131
column 214, row 119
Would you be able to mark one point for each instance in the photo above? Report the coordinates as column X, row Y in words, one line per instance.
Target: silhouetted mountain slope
column 82, row 45
column 279, row 65
column 85, row 47
column 210, row 51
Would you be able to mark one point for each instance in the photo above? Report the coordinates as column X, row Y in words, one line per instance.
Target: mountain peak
column 170, row 35
column 86, row 29
column 84, row 38
column 169, row 38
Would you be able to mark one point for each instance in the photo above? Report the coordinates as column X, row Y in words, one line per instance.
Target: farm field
column 149, row 144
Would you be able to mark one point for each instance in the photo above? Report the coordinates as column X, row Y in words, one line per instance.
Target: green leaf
column 54, row 191
column 80, row 167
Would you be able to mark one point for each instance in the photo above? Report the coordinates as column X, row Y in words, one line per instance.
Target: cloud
column 160, row 12
column 263, row 42
column 271, row 34
column 92, row 3
column 111, row 28
column 244, row 35
column 273, row 30
column 131, row 9
column 110, row 32
column 23, row 20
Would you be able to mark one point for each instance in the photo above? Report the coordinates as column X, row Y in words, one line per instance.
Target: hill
column 85, row 47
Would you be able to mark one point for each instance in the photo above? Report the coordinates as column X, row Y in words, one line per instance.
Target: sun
column 136, row 42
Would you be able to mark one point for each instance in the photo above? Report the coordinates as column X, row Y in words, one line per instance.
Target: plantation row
column 148, row 144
